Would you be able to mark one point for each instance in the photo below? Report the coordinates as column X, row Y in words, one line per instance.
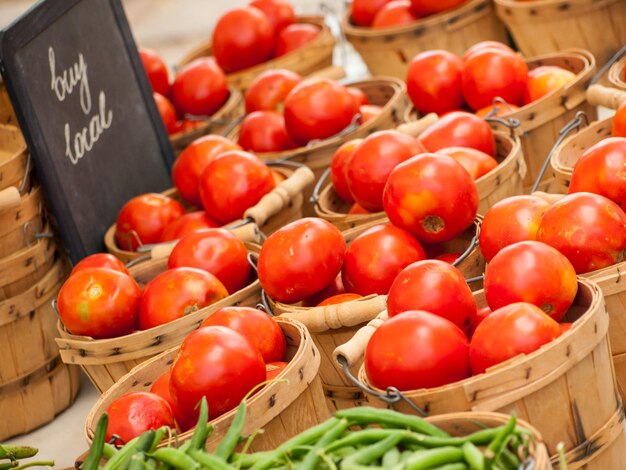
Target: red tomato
column 373, row 161
column 243, row 37
column 590, row 230
column 394, row 13
column 167, row 112
column 416, row 350
column 300, row 259
column 618, row 125
column 264, row 131
column 192, row 162
column 268, row 91
column 434, row 82
column 376, row 257
column 188, row 223
column 356, row 209
column 459, row 129
column 99, row 302
column 518, row 328
column 481, row 314
column 369, row 112
column 601, row 170
column 476, row 163
column 359, row 95
column 430, row 7
column 233, row 183
column 101, row 260
column 436, row 287
column 200, row 88
column 279, row 12
column 217, row 363
column 318, row 109
column 217, row 251
column 544, row 80
column 449, row 258
column 491, row 72
column 161, row 387
column 339, row 299
column 187, row 125
column 487, row 45
column 294, row 37
column 156, row 70
column 134, row 413
column 364, row 11
column 514, row 219
column 143, row 219
column 333, row 289
column 497, row 110
column 274, row 369
column 565, row 327
column 339, row 169
column 431, row 196
column 258, row 327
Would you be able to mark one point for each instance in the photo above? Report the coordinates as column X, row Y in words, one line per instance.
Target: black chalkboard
column 72, row 67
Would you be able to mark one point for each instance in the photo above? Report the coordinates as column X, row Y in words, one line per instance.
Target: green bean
column 433, row 458
column 368, row 454
column 229, row 442
column 209, row 460
column 175, row 457
column 121, row 458
column 137, row 462
column 97, row 446
column 499, row 441
column 453, row 466
column 17, row 452
column 159, row 434
column 473, row 456
column 366, row 414
column 247, row 460
column 198, row 438
column 312, row 457
column 391, row 457
column 344, row 451
column 47, row 463
column 9, row 465
column 509, row 460
column 108, row 451
column 406, row 455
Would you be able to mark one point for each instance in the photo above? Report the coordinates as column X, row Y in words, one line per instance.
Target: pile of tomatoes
column 389, row 13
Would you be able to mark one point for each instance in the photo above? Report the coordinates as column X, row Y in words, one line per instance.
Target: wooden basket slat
column 14, row 234
column 616, row 74
column 13, row 156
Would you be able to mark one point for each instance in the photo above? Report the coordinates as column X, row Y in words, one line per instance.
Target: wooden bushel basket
column 20, row 222
column 616, row 74
column 310, row 58
column 281, row 409
column 566, row 389
column 7, row 114
column 389, row 51
column 547, row 26
column 14, row 166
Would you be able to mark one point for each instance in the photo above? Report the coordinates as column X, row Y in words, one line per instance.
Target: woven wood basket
column 14, row 166
column 566, row 389
column 547, row 26
column 281, row 409
column 19, row 223
column 389, row 51
column 7, row 114
column 616, row 74
column 310, row 58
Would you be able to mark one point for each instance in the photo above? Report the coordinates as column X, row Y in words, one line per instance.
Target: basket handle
column 354, row 349
column 599, row 95
column 334, row 72
column 415, row 128
column 9, row 198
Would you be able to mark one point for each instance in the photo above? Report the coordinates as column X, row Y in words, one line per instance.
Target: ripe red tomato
column 300, row 259
column 565, row 327
column 161, row 387
column 356, row 209
column 364, row 11
column 258, row 327
column 436, row 287
column 99, row 302
column 134, row 413
column 394, row 13
column 218, row 363
column 416, row 350
column 369, row 112
column 192, row 162
column 359, row 95
column 339, row 299
column 339, row 169
column 279, row 12
column 449, row 258
column 264, row 131
column 514, row 219
column 333, row 289
column 531, row 272
column 373, row 161
column 167, row 112
column 318, row 109
column 481, row 314
column 600, row 170
column 100, row 260
column 217, row 251
column 518, row 328
column 546, row 79
column 431, row 196
column 376, row 257
column 618, row 125
column 268, row 91
column 294, row 37
column 491, row 72
column 200, row 88
column 143, row 219
column 156, row 70
column 187, row 125
column 233, row 183
column 589, row 229
column 274, row 369
column 459, row 129
column 434, row 82
column 430, row 7
column 487, row 45
column 188, row 223
column 476, row 163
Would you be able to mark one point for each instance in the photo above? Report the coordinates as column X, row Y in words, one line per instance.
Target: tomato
column 459, row 129
column 449, row 258
column 217, row 363
column 479, row 46
column 618, row 125
column 356, row 210
column 416, row 350
column 514, row 219
column 376, row 257
column 394, row 13
column 339, row 299
column 518, row 328
column 373, row 161
column 589, row 229
column 192, row 162
column 101, row 260
column 243, row 37
column 264, row 131
column 476, row 163
column 339, row 168
column 217, row 251
column 602, row 170
column 436, row 287
column 258, row 327
column 565, row 327
column 318, row 109
column 431, row 196
column 161, row 387
column 134, row 413
column 294, row 37
column 481, row 314
column 491, row 72
column 434, row 82
column 99, row 302
column 143, row 219
column 167, row 112
column 268, row 91
column 300, row 259
column 359, row 95
column 200, row 88
column 156, row 70
column 274, row 369
column 233, row 183
column 497, row 110
column 369, row 112
column 364, row 11
column 335, row 288
column 430, row 7
column 544, row 80
column 279, row 12
column 187, row 125
column 278, row 177
column 188, row 223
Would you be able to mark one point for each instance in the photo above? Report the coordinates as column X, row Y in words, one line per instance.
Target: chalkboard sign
column 86, row 109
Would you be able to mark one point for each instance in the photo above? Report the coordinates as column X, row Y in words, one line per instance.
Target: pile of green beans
column 11, row 458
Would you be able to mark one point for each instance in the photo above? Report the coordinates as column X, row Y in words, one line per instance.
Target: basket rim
column 517, row 5
column 616, row 74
